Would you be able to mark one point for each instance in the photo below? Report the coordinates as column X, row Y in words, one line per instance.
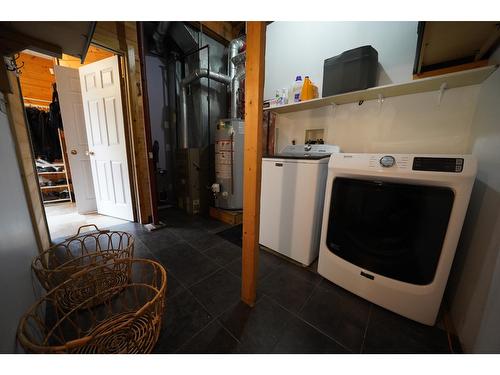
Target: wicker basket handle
column 89, row 225
column 77, row 342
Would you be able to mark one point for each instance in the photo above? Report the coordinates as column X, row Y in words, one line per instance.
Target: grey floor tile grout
column 256, row 303
column 215, row 318
column 218, row 244
column 177, row 278
column 222, row 323
column 206, row 277
column 224, row 266
column 263, row 279
column 309, row 323
column 228, row 270
column 194, row 335
column 212, row 318
column 366, row 328
column 309, row 297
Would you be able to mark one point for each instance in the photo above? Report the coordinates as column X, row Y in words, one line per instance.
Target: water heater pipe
column 234, row 48
column 195, row 75
column 230, row 79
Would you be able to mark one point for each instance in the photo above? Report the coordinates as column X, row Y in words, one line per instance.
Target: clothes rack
column 39, row 106
column 50, row 181
column 54, row 176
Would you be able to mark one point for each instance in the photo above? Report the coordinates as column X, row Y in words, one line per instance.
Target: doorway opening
column 195, row 103
column 76, row 122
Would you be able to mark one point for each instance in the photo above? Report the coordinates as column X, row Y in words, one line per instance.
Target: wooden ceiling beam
column 488, row 44
column 222, row 31
column 12, row 41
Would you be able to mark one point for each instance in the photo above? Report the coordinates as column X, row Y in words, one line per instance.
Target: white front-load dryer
column 391, row 224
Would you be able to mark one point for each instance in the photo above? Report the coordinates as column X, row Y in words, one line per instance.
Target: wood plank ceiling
column 37, row 75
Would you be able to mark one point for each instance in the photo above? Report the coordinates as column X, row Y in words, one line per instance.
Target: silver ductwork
column 205, row 73
column 236, row 83
column 234, row 71
column 234, row 48
column 185, row 37
column 159, row 36
column 195, row 75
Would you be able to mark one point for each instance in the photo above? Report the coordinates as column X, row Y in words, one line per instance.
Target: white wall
column 406, row 124
column 474, row 287
column 157, row 105
column 294, row 48
column 17, row 241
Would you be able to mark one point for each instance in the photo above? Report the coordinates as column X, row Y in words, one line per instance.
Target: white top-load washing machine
column 391, row 224
column 291, row 203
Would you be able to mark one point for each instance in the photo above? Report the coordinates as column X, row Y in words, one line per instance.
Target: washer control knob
column 387, row 161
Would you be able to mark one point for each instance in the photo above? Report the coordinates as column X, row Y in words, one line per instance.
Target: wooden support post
column 254, row 87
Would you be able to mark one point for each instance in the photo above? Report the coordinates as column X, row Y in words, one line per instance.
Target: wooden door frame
column 20, row 133
column 127, row 127
column 147, row 127
column 26, row 161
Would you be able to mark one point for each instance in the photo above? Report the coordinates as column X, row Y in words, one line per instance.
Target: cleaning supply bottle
column 307, row 92
column 277, row 100
column 284, row 96
column 296, row 89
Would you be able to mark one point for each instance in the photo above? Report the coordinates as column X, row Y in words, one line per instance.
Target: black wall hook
column 12, row 64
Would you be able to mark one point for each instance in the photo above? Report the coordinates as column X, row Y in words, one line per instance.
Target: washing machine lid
column 306, row 152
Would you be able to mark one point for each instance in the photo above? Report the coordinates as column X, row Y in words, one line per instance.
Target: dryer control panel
column 437, row 164
column 405, row 164
column 389, row 161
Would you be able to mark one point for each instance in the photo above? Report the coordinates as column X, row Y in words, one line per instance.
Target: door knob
column 74, row 152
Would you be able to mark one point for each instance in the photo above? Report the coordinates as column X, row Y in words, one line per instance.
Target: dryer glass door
column 395, row 230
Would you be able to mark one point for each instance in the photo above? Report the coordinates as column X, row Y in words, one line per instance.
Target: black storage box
column 352, row 70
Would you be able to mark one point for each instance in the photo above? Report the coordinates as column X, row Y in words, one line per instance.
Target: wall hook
column 380, row 101
column 12, row 66
column 443, row 87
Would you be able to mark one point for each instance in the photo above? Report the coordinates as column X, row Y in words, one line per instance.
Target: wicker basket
column 81, row 251
column 127, row 323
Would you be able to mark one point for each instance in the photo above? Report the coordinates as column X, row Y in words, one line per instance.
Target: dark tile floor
column 297, row 311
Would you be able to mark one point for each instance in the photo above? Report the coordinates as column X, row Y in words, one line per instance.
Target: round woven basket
column 127, row 323
column 56, row 264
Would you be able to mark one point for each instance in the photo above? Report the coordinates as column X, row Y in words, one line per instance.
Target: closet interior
column 43, row 114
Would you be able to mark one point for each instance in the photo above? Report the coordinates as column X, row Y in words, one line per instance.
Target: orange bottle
column 307, row 92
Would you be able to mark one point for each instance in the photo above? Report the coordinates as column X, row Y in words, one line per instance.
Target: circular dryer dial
column 387, row 161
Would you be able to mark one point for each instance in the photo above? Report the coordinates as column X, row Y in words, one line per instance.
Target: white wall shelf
column 437, row 83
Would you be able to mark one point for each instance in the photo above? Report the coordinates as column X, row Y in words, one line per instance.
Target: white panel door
column 102, row 103
column 70, row 98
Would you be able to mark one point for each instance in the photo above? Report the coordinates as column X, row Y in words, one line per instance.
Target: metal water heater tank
column 228, row 189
